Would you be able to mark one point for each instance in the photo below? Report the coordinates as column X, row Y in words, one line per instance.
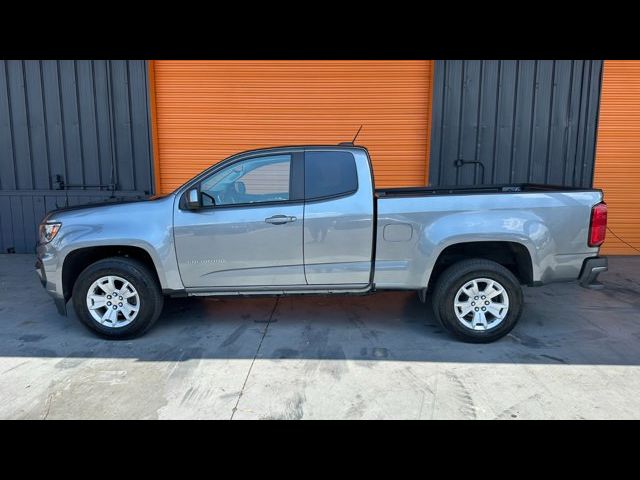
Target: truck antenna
column 354, row 138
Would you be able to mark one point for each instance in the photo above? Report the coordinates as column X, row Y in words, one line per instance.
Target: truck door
column 338, row 217
column 249, row 230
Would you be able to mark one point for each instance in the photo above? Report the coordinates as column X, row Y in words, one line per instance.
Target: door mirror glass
column 193, row 199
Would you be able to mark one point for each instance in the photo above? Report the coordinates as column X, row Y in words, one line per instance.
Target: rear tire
column 117, row 298
column 477, row 300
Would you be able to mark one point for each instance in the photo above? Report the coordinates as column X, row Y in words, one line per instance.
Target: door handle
column 280, row 219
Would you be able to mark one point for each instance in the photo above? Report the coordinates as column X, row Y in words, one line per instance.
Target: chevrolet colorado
column 308, row 220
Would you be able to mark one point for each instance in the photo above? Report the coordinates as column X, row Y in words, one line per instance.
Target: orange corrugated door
column 617, row 168
column 205, row 111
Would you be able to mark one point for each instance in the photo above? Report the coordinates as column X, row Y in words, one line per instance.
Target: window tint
column 261, row 179
column 329, row 173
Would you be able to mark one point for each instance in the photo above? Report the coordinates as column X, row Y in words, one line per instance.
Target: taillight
column 598, row 226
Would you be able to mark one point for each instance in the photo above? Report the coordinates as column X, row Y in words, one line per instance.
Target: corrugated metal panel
column 208, row 110
column 526, row 121
column 87, row 121
column 618, row 154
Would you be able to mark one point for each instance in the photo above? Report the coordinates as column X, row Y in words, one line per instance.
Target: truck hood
column 105, row 203
column 127, row 206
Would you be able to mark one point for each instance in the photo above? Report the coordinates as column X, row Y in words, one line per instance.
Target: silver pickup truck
column 308, row 220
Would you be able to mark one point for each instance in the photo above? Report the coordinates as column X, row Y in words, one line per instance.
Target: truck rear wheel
column 477, row 300
column 118, row 298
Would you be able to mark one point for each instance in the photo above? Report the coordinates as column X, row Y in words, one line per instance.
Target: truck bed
column 464, row 190
column 415, row 225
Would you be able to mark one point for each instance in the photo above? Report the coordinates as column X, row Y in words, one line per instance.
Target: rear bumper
column 591, row 268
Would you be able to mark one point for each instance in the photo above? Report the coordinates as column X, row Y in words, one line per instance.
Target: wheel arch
column 514, row 256
column 78, row 259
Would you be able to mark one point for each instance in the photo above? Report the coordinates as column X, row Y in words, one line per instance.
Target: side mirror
column 193, row 201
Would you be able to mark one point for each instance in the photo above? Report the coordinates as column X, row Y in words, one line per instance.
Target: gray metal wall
column 87, row 121
column 526, row 121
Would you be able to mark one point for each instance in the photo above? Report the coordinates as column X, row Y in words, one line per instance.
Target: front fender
column 144, row 225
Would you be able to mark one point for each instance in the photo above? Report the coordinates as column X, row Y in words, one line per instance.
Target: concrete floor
column 574, row 354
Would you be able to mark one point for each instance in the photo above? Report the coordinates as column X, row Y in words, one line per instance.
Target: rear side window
column 328, row 174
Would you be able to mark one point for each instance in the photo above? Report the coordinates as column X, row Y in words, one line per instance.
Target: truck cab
column 280, row 219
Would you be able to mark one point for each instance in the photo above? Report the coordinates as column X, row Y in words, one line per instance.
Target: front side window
column 329, row 174
column 255, row 180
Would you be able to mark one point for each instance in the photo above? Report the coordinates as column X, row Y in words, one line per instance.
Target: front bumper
column 50, row 286
column 591, row 268
column 41, row 273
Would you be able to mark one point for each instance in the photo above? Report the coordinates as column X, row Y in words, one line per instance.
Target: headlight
column 48, row 231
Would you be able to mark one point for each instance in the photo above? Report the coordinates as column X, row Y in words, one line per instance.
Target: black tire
column 151, row 299
column 454, row 277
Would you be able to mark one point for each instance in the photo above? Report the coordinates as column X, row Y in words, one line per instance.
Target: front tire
column 477, row 300
column 117, row 298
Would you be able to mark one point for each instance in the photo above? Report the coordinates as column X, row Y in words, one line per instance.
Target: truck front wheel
column 477, row 300
column 117, row 298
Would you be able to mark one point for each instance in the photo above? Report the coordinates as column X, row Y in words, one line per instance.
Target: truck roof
column 339, row 147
